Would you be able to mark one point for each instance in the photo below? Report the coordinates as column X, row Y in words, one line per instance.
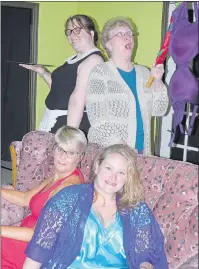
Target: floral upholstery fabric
column 11, row 214
column 170, row 191
column 152, row 174
column 34, row 164
column 36, row 159
column 192, row 263
column 86, row 163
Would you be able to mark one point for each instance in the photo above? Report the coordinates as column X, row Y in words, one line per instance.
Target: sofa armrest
column 11, row 214
column 15, row 150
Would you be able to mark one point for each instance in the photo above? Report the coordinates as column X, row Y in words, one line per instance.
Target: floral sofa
column 170, row 191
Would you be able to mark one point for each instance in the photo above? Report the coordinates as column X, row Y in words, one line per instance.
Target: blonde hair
column 68, row 134
column 133, row 190
column 111, row 25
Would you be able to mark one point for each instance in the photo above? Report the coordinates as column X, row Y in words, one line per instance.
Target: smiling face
column 121, row 42
column 66, row 158
column 80, row 39
column 111, row 174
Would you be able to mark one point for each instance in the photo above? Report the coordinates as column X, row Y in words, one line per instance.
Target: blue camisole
column 101, row 247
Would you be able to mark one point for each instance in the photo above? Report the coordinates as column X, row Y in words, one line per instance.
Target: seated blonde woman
column 103, row 224
column 70, row 144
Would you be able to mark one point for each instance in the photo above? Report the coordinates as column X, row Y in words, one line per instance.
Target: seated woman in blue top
column 103, row 224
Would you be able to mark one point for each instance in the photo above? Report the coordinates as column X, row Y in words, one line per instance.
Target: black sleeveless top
column 63, row 83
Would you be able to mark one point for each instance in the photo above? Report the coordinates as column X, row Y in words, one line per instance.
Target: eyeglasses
column 123, row 34
column 75, row 31
column 66, row 153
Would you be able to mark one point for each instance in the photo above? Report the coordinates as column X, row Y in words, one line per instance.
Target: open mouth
column 110, row 183
column 128, row 46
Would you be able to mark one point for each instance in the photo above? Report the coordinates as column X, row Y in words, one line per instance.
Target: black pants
column 61, row 121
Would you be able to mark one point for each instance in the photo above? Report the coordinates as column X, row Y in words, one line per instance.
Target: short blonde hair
column 111, row 25
column 68, row 134
column 133, row 190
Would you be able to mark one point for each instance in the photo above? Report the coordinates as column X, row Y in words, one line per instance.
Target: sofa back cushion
column 152, row 173
column 86, row 164
column 36, row 159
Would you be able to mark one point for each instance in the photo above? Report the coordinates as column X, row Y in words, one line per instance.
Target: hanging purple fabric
column 183, row 86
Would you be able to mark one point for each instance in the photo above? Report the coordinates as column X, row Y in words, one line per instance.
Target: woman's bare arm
column 77, row 99
column 21, row 198
column 30, row 264
column 18, row 233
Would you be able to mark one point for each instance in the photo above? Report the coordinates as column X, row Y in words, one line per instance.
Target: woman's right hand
column 41, row 70
column 37, row 68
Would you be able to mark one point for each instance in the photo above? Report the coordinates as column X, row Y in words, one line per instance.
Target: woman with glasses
column 104, row 224
column 70, row 144
column 118, row 103
column 69, row 80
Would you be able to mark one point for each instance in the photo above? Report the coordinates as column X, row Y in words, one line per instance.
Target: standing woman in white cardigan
column 119, row 106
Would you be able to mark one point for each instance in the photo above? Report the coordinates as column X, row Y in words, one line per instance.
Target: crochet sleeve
column 96, row 81
column 149, row 240
column 160, row 100
column 160, row 96
column 49, row 225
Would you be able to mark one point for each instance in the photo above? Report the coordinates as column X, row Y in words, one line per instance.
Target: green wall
column 53, row 47
column 52, row 44
column 146, row 15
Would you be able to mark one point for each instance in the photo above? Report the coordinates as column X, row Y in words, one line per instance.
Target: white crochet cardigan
column 111, row 106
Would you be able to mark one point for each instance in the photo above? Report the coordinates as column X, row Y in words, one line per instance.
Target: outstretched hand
column 37, row 68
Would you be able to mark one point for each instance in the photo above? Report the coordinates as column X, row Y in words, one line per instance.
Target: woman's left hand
column 157, row 71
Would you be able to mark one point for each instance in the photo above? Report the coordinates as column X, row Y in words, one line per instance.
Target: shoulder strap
column 196, row 10
column 94, row 52
column 79, row 173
